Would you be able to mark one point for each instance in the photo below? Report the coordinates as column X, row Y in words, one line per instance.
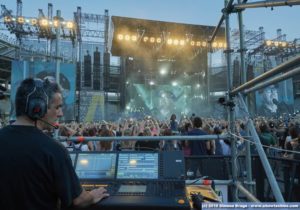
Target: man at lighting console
column 36, row 171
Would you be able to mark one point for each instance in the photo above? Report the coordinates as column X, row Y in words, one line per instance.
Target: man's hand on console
column 98, row 194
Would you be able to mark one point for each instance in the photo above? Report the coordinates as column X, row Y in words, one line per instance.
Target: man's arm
column 87, row 198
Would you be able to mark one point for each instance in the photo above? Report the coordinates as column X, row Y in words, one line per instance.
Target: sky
column 199, row 12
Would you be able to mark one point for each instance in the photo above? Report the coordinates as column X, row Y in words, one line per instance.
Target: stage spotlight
column 70, row 25
column 204, row 44
column 33, row 21
column 170, row 41
column 283, row 44
column 182, row 42
column 214, row 44
column 163, row 71
column 176, row 42
column 127, row 37
column 151, row 83
column 174, row 83
column 55, row 23
column 21, row 20
column 120, row 36
column 158, row 40
column 198, row 85
column 7, row 19
column 44, row 22
column 134, row 38
column 152, row 39
column 276, row 43
column 198, row 44
column 268, row 42
column 145, row 39
column 220, row 44
column 192, row 43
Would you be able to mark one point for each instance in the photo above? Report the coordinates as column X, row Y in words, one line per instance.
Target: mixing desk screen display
column 96, row 166
column 137, row 166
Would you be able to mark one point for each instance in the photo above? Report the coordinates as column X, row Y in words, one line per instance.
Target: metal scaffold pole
column 58, row 16
column 230, row 109
column 243, row 81
column 269, row 173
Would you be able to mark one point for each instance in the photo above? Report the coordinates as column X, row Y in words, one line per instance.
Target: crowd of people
column 38, row 171
column 276, row 135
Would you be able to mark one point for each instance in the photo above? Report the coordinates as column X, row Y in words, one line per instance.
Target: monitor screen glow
column 137, row 166
column 96, row 166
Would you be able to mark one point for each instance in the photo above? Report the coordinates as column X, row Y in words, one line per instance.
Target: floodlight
column 268, row 42
column 134, row 38
column 214, row 44
column 44, row 22
column 145, row 39
column 170, row 41
column 158, row 40
column 182, row 42
column 127, row 37
column 55, row 23
column 276, row 43
column 21, row 20
column 33, row 21
column 176, row 42
column 152, row 39
column 7, row 19
column 120, row 36
column 204, row 44
column 198, row 44
column 192, row 43
column 70, row 24
column 283, row 44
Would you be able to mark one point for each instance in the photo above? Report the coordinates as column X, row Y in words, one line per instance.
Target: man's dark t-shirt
column 36, row 171
column 198, row 147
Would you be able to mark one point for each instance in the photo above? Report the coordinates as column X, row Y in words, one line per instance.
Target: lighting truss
column 40, row 27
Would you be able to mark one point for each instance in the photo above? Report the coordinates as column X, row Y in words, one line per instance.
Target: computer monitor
column 137, row 166
column 96, row 165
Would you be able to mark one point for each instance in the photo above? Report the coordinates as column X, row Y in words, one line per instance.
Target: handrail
column 141, row 138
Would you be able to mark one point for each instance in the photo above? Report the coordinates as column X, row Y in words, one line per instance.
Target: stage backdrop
column 91, row 106
column 25, row 69
column 160, row 100
column 280, row 94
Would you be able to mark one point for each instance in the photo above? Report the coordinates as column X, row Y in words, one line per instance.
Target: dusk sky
column 202, row 12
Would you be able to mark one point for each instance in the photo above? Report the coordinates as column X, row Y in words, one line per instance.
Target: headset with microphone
column 37, row 103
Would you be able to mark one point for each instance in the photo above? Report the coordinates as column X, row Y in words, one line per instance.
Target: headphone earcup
column 37, row 101
column 37, row 108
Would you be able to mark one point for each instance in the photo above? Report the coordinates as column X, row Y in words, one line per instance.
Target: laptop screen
column 137, row 166
column 96, row 166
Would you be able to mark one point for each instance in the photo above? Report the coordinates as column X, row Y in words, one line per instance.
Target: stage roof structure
column 139, row 37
